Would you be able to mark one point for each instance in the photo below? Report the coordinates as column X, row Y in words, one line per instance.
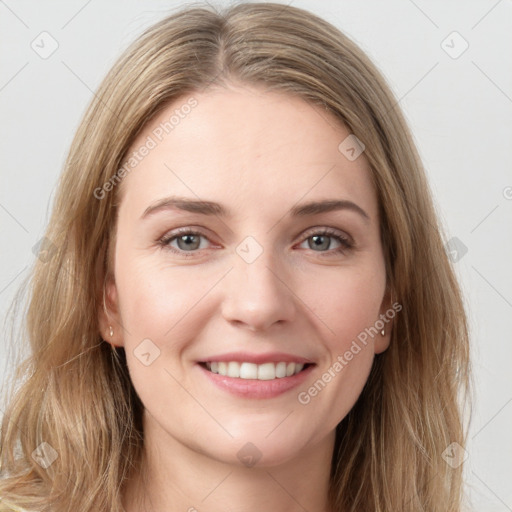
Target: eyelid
column 326, row 230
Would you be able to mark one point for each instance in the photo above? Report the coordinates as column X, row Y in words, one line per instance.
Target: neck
column 175, row 477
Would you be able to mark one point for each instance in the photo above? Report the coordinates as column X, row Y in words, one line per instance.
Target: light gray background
column 460, row 111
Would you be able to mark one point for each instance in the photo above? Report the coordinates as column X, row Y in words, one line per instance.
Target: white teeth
column 280, row 370
column 265, row 371
column 233, row 369
column 248, row 371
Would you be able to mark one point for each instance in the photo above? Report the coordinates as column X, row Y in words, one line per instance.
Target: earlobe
column 383, row 339
column 108, row 314
column 385, row 323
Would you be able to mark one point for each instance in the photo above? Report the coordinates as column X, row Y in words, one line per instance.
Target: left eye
column 322, row 242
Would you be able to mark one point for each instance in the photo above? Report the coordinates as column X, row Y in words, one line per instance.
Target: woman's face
column 247, row 237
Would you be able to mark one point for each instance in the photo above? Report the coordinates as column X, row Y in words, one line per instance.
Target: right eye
column 184, row 241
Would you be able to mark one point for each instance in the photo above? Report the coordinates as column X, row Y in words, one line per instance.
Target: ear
column 109, row 319
column 386, row 315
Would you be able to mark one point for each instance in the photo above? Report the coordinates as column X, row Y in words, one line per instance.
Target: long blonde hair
column 76, row 396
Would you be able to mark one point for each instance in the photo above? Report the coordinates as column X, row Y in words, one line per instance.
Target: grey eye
column 188, row 242
column 320, row 242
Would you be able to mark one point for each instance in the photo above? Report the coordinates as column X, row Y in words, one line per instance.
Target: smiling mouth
column 245, row 370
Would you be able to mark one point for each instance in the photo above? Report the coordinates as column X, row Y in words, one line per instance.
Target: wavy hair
column 75, row 396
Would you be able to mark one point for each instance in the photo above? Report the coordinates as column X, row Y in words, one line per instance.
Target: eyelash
column 345, row 243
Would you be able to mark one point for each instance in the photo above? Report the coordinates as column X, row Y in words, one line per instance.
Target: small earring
column 111, row 332
column 383, row 332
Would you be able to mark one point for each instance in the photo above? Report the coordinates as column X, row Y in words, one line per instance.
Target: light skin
column 259, row 154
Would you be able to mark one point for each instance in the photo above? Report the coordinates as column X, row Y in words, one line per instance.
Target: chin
column 262, row 450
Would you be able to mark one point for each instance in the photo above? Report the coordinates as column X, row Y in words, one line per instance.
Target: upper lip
column 269, row 357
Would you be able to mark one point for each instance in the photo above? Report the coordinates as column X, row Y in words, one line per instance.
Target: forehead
column 248, row 147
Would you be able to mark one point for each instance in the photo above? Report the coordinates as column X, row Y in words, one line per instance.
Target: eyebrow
column 212, row 208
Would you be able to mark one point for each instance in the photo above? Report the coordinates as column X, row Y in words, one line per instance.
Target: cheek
column 146, row 300
column 346, row 306
column 158, row 306
column 347, row 302
column 158, row 302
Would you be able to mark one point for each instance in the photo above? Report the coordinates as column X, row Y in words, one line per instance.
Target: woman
column 244, row 301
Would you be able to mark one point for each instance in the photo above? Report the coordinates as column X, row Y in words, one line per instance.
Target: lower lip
column 254, row 388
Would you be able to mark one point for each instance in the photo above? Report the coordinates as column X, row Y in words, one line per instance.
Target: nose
column 258, row 294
